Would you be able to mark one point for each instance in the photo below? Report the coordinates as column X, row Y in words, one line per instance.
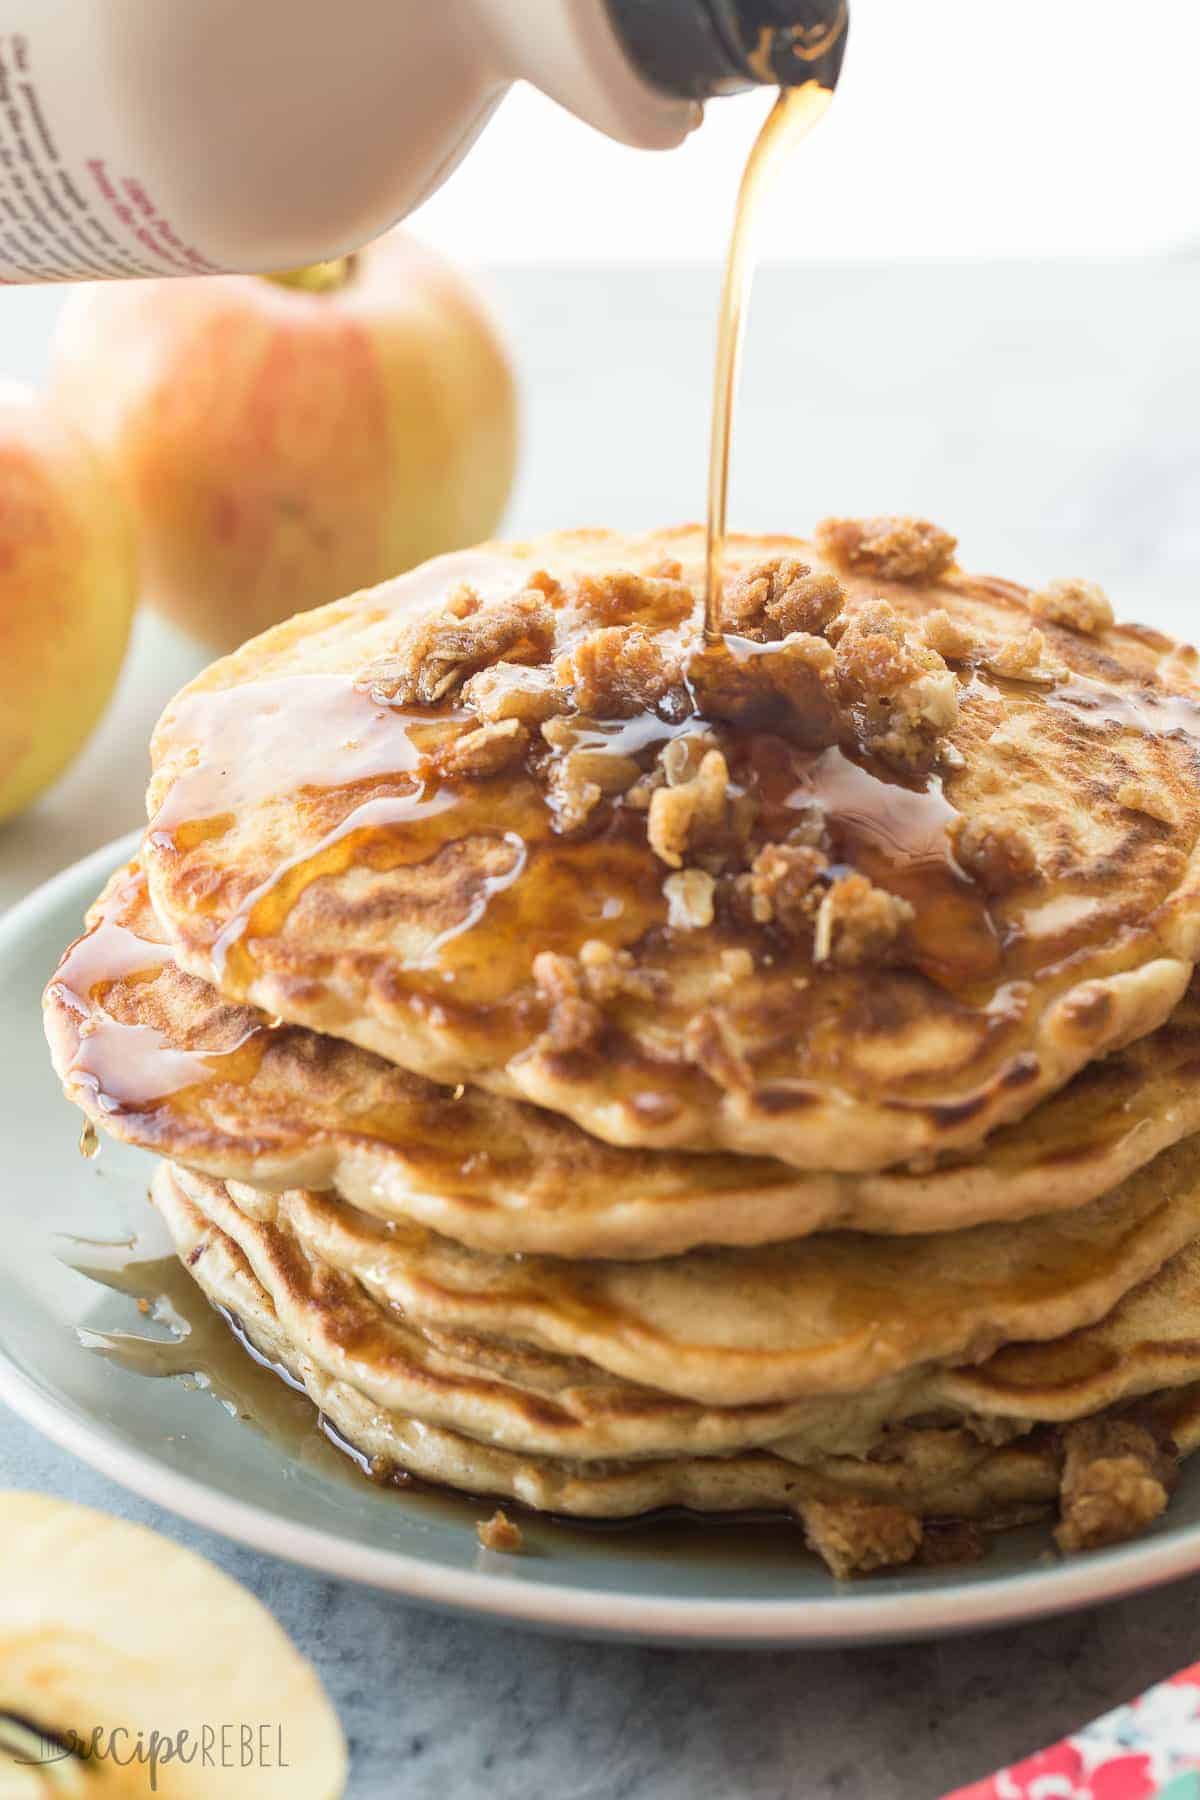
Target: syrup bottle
column 184, row 137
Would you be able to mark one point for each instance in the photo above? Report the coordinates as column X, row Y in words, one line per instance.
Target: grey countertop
column 1051, row 416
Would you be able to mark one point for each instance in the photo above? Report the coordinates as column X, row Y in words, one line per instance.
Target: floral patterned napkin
column 1147, row 1750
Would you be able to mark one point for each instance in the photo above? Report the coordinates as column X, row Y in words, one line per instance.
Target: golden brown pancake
column 689, row 1356
column 1150, row 1340
column 859, row 885
column 836, row 1313
column 157, row 1058
column 929, row 1470
column 541, row 1003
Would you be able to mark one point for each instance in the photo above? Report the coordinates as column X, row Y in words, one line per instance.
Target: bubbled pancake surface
column 309, row 852
column 157, row 1057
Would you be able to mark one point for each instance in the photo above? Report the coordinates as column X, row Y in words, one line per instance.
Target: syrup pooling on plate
column 210, row 1348
column 205, row 1347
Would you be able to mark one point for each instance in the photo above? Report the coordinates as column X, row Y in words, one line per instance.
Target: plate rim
column 850, row 1614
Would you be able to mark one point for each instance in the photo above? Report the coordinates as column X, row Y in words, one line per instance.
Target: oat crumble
column 854, row 1537
column 1021, row 659
column 1079, row 605
column 682, row 817
column 488, row 750
column 994, row 853
column 616, row 671
column 1116, row 1480
column 783, row 886
column 710, row 1043
column 897, row 548
column 433, row 656
column 689, row 897
column 774, row 599
column 500, row 1533
column 509, row 690
column 902, row 694
column 857, row 922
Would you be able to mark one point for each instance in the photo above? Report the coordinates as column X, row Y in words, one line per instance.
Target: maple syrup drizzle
column 907, row 825
column 792, row 117
column 368, row 796
column 132, row 1071
column 1151, row 714
column 358, row 838
column 130, row 1067
column 134, row 1068
column 536, row 890
column 308, row 726
column 898, row 835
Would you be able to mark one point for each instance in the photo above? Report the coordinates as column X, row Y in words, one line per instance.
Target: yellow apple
column 285, row 442
column 130, row 1666
column 68, row 584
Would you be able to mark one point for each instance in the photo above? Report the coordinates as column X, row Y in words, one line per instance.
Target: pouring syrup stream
column 792, row 117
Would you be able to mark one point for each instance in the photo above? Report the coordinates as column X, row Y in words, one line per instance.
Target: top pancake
column 818, row 893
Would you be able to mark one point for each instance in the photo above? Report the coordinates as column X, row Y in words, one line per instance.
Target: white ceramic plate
column 176, row 1445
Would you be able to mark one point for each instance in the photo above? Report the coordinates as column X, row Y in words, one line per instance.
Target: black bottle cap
column 698, row 48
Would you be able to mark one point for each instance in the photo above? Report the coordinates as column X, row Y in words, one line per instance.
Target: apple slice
column 129, row 1665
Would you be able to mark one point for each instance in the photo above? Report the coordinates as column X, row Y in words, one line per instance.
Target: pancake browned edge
column 928, row 1497
column 835, row 1324
column 157, row 1058
column 856, row 885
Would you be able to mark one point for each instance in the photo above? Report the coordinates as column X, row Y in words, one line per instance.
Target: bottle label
column 71, row 207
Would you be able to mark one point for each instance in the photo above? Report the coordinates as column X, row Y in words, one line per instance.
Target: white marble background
column 1050, row 414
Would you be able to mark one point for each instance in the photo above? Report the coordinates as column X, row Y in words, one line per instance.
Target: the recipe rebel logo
column 241, row 1744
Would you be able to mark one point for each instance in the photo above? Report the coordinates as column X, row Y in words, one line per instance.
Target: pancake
column 1150, row 1340
column 932, row 1471
column 821, row 893
column 156, row 1057
column 836, row 1313
column 498, row 1391
column 741, row 1376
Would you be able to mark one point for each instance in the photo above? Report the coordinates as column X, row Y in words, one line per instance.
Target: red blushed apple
column 68, row 585
column 286, row 444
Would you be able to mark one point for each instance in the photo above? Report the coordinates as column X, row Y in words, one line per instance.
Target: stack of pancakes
column 613, row 1069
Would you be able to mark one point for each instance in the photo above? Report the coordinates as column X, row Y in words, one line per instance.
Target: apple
column 286, row 440
column 130, row 1666
column 68, row 586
